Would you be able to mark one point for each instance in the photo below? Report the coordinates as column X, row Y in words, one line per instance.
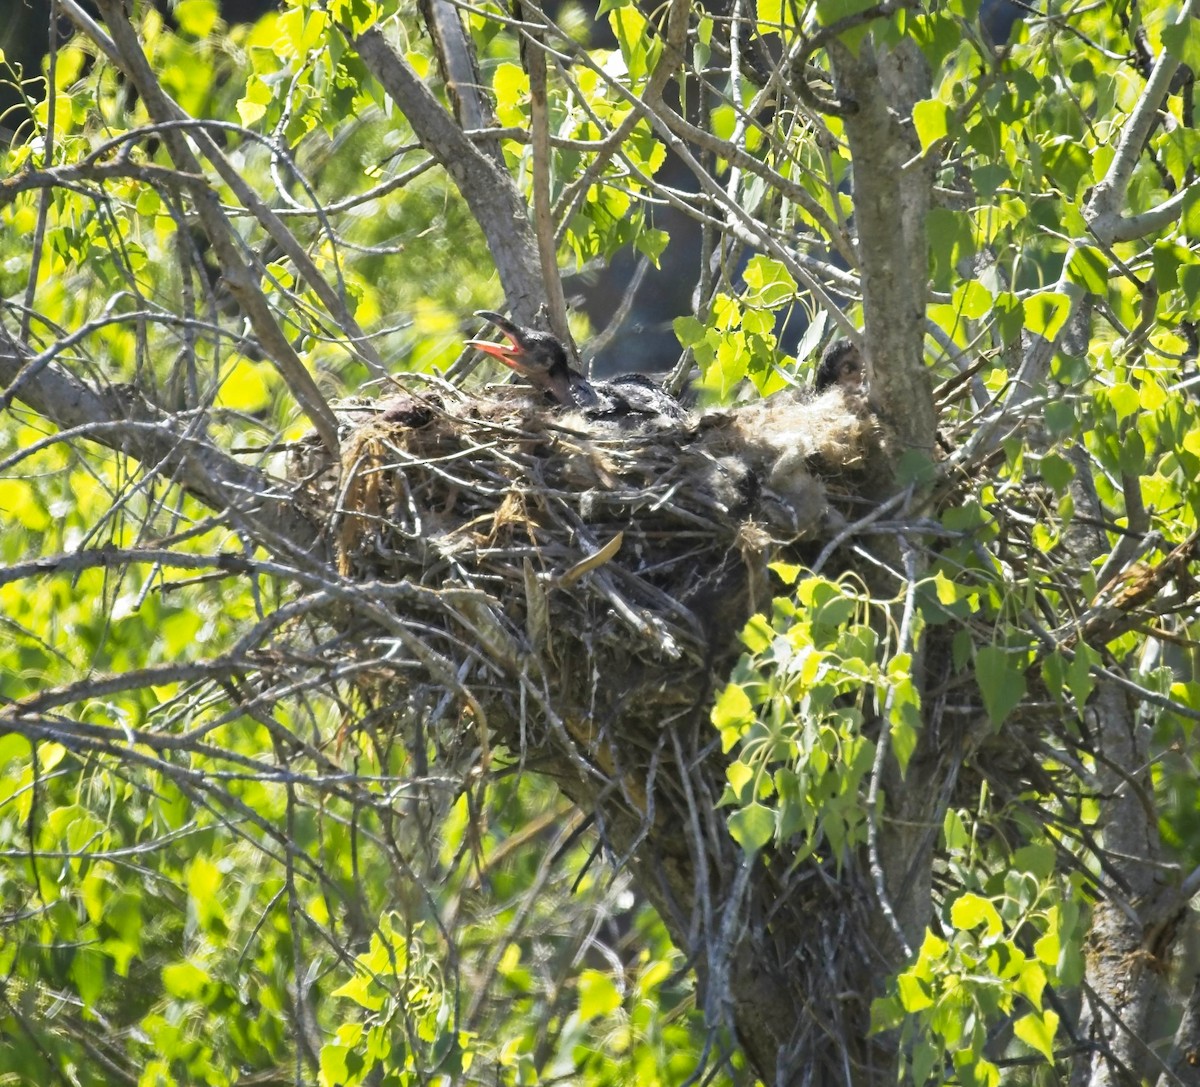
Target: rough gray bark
column 893, row 184
column 1135, row 927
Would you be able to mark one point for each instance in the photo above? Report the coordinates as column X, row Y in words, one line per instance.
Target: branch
column 1128, row 228
column 124, row 50
column 489, row 191
column 1103, row 211
column 539, row 126
column 115, row 557
column 121, row 419
column 460, row 73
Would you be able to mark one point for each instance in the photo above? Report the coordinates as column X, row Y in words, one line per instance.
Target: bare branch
column 460, row 72
column 125, row 50
column 543, row 221
column 489, row 191
column 121, row 419
column 1114, row 227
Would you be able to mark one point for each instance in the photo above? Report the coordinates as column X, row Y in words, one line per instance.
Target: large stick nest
column 532, row 537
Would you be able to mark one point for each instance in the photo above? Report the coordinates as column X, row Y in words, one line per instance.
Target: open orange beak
column 513, row 353
column 509, row 354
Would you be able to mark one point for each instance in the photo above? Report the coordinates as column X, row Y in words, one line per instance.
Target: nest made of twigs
column 530, row 527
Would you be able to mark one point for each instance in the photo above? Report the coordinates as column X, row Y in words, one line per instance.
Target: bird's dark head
column 841, row 364
column 537, row 356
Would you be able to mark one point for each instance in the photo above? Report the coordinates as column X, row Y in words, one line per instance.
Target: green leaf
column 887, row 1013
column 363, row 991
column 1167, row 257
column 335, row 1067
column 244, row 387
column 688, row 331
column 358, row 15
column 733, row 708
column 752, row 827
column 971, row 910
column 1037, row 1031
column 731, row 363
column 926, row 1055
column 770, row 283
column 916, row 467
column 1132, row 454
column 1046, row 313
column 830, row 11
column 1182, row 41
column 196, row 17
column 253, row 104
column 1079, row 674
column 771, row 14
column 904, row 711
column 1124, row 399
column 726, row 313
column 972, row 300
column 973, row 1070
column 914, row 993
column 185, row 980
column 1038, row 859
column 510, row 85
column 1047, row 948
column 651, row 243
column 1089, row 268
column 787, row 572
column 933, row 948
column 1060, row 417
column 598, row 995
column 629, row 28
column 947, row 591
column 757, row 634
column 1010, row 316
column 829, row 615
column 50, row 755
column 1057, row 472
column 1189, row 220
column 1001, row 677
column 954, row 830
column 1031, row 982
column 88, row 972
column 931, row 118
column 740, row 777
